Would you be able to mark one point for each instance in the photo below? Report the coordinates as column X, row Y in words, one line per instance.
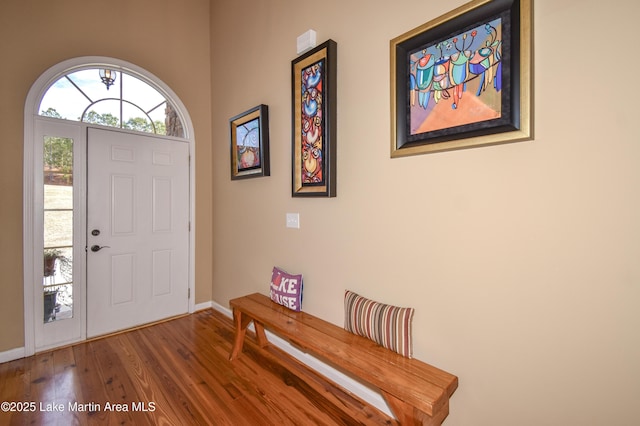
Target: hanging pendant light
column 107, row 77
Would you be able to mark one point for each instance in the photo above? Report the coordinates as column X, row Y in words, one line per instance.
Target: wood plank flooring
column 174, row 373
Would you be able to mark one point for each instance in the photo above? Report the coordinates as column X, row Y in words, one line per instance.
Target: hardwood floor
column 174, row 373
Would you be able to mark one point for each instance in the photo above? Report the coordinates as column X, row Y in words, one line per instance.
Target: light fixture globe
column 108, row 77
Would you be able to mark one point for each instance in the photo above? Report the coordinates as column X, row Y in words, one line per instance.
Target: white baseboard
column 202, row 306
column 12, row 354
column 364, row 392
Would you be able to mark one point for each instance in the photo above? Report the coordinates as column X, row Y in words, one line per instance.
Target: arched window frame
column 134, row 79
column 30, row 183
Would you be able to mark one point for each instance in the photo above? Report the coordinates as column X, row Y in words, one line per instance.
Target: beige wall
column 169, row 39
column 521, row 260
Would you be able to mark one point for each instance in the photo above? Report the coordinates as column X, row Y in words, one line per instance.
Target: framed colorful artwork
column 463, row 79
column 249, row 135
column 313, row 95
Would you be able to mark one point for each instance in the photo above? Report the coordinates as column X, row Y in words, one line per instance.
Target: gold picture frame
column 249, row 142
column 463, row 79
column 313, row 106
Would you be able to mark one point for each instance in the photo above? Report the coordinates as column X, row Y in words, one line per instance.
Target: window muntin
column 129, row 103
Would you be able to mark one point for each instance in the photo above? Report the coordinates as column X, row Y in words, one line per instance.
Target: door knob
column 95, row 248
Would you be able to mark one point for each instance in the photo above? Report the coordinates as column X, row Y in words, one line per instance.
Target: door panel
column 138, row 204
column 122, row 206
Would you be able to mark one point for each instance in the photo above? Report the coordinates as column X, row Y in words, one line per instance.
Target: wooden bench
column 416, row 392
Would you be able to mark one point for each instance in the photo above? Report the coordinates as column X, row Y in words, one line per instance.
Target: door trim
column 31, row 179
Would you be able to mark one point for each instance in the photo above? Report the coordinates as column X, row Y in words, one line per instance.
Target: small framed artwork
column 463, row 79
column 249, row 134
column 313, row 94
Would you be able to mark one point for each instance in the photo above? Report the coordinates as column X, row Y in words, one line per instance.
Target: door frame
column 32, row 178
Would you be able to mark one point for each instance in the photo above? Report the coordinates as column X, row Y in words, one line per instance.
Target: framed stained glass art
column 249, row 137
column 313, row 94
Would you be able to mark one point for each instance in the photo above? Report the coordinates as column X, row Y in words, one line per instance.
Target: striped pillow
column 386, row 325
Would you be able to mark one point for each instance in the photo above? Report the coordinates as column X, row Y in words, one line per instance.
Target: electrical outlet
column 293, row 220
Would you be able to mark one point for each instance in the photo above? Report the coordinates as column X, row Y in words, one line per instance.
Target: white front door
column 137, row 229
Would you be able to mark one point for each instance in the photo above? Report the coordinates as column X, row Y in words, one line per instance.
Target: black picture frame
column 313, row 105
column 249, row 143
column 432, row 66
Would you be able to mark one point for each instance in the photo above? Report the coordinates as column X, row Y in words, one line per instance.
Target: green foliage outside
column 58, row 152
column 137, row 124
column 58, row 155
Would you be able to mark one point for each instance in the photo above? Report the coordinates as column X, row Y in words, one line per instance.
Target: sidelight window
column 57, row 281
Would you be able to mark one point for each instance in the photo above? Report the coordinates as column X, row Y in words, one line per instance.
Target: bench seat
column 416, row 392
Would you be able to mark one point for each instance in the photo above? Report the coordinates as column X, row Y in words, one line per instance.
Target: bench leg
column 262, row 338
column 241, row 322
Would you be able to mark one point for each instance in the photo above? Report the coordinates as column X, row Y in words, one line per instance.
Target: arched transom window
column 111, row 98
